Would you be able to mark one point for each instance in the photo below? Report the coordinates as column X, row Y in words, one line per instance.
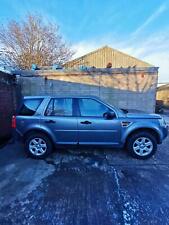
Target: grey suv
column 46, row 122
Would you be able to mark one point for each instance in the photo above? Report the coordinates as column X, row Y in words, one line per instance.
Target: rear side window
column 30, row 106
column 59, row 107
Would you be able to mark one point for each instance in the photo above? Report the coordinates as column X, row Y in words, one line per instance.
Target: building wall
column 133, row 90
column 163, row 94
column 9, row 93
column 101, row 57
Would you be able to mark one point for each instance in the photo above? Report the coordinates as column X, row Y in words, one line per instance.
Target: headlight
column 162, row 122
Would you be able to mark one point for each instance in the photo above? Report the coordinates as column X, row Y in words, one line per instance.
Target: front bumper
column 165, row 132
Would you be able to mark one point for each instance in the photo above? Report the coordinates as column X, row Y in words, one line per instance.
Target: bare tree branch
column 32, row 41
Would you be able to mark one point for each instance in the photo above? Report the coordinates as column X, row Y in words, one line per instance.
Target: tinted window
column 90, row 107
column 30, row 106
column 59, row 107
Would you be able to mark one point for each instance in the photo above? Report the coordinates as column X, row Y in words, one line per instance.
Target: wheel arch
column 149, row 130
column 36, row 130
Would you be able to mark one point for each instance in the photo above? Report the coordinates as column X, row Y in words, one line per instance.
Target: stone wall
column 132, row 89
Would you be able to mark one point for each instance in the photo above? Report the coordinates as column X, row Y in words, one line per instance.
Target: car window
column 29, row 106
column 59, row 107
column 90, row 107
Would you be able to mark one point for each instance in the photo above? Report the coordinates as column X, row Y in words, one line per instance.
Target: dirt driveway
column 96, row 187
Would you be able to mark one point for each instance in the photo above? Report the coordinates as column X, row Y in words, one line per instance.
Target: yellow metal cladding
column 101, row 57
column 163, row 94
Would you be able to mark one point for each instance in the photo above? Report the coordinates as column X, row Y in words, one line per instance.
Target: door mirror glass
column 109, row 115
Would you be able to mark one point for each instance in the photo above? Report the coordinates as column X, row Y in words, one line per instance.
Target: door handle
column 49, row 121
column 86, row 122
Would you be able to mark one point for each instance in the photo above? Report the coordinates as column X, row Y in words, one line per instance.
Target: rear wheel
column 142, row 145
column 38, row 145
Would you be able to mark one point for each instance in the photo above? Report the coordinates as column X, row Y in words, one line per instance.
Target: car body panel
column 143, row 116
column 68, row 130
column 24, row 124
column 99, row 132
column 142, row 124
column 64, row 129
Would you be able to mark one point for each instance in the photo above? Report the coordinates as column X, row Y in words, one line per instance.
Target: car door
column 59, row 119
column 93, row 128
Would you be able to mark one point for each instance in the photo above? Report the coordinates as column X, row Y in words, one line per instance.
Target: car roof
column 59, row 96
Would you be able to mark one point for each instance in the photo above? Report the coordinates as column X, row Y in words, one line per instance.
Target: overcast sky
column 137, row 27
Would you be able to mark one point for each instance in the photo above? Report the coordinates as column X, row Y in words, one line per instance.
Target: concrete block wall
column 125, row 90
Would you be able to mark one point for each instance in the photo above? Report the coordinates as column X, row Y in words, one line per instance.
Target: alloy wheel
column 37, row 146
column 143, row 146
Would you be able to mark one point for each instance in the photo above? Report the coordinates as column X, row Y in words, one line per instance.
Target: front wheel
column 38, row 145
column 142, row 145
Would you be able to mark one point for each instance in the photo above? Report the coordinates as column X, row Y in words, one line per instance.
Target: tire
column 38, row 145
column 142, row 145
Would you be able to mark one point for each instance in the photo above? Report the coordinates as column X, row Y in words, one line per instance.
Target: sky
column 137, row 27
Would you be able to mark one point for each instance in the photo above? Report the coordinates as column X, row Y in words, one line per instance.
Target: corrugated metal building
column 163, row 94
column 102, row 56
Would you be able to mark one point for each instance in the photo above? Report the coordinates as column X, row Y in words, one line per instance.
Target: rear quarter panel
column 26, row 123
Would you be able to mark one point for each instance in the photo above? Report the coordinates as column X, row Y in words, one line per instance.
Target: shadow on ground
column 4, row 141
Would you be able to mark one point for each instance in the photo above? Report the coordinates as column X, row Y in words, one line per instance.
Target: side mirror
column 109, row 115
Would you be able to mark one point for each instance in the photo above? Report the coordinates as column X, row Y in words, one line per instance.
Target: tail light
column 14, row 122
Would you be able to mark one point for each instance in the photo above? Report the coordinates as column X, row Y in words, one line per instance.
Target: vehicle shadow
column 4, row 142
column 12, row 152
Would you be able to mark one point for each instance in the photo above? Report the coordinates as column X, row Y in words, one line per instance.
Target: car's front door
column 61, row 121
column 93, row 127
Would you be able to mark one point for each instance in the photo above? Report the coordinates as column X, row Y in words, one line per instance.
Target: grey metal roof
column 163, row 87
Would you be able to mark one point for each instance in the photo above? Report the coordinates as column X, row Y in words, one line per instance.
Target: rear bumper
column 16, row 135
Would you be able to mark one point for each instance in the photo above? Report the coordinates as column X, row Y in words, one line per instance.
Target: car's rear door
column 60, row 120
column 93, row 128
